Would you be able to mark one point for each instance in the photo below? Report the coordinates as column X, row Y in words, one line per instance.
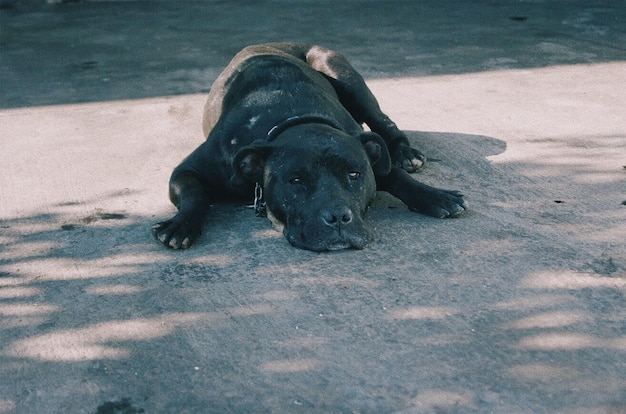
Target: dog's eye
column 354, row 175
column 296, row 180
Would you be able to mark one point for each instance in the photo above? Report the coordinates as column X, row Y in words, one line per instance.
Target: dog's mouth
column 339, row 245
column 330, row 247
column 320, row 238
column 351, row 240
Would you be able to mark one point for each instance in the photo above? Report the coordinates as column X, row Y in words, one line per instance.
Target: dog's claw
column 186, row 243
column 457, row 210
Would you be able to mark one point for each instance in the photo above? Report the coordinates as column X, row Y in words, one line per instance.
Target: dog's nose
column 335, row 217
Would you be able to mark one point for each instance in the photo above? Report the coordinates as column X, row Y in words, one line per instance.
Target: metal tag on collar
column 259, row 201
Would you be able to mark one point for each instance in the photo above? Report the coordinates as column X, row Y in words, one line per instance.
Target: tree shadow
column 472, row 314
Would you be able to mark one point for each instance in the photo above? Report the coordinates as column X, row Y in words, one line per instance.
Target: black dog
column 285, row 119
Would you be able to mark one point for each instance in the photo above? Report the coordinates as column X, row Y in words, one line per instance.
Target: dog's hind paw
column 408, row 158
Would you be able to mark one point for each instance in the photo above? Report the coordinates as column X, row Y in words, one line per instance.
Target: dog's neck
column 292, row 121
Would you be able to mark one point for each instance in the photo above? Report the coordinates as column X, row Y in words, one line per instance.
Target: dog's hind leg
column 357, row 98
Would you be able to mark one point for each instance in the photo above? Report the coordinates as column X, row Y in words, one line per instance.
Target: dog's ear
column 249, row 163
column 377, row 152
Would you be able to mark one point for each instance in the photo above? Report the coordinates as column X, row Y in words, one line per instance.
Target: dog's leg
column 421, row 197
column 357, row 98
column 189, row 192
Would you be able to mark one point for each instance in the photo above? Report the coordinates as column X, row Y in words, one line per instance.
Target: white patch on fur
column 252, row 121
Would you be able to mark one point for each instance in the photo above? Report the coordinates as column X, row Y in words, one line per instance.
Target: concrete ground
column 517, row 307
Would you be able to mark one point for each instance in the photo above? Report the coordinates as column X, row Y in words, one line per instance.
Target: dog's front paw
column 408, row 158
column 442, row 204
column 176, row 233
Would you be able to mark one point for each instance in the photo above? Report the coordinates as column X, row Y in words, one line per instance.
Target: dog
column 283, row 122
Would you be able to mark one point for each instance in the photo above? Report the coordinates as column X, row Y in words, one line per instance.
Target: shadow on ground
column 97, row 316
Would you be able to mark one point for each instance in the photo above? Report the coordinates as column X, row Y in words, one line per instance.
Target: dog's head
column 317, row 182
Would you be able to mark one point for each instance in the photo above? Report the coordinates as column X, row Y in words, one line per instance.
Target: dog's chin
column 354, row 239
column 332, row 247
column 344, row 243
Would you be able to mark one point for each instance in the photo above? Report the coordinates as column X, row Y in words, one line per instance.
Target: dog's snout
column 335, row 217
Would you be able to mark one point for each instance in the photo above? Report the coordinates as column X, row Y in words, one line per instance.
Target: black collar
column 299, row 120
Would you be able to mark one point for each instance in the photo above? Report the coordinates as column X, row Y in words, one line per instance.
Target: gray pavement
column 517, row 307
